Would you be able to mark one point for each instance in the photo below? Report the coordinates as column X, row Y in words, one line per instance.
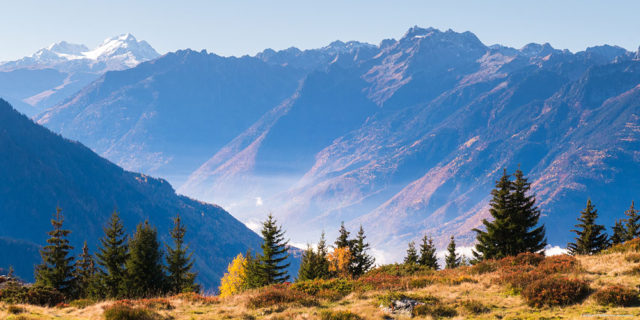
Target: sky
column 239, row 27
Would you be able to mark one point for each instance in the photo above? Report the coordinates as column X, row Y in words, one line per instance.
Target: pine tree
column 145, row 276
column 180, row 262
column 362, row 261
column 86, row 274
column 343, row 240
column 111, row 256
column 515, row 216
column 57, row 268
column 633, row 223
column 274, row 252
column 322, row 263
column 253, row 275
column 452, row 259
column 307, row 269
column 619, row 233
column 590, row 236
column 412, row 255
column 428, row 254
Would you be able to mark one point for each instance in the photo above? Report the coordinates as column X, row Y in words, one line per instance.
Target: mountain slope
column 54, row 73
column 44, row 171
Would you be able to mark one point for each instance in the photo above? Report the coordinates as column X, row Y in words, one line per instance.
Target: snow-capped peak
column 115, row 53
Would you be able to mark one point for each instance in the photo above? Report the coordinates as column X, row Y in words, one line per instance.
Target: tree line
column 123, row 266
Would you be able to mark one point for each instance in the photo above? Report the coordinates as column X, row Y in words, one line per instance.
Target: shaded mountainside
column 42, row 170
column 406, row 137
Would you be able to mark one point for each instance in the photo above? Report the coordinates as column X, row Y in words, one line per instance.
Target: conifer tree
column 412, row 256
column 274, row 253
column 428, row 254
column 619, row 233
column 180, row 262
column 633, row 223
column 145, row 276
column 362, row 261
column 322, row 263
column 253, row 275
column 343, row 240
column 515, row 216
column 452, row 259
column 307, row 269
column 111, row 256
column 57, row 268
column 590, row 236
column 86, row 274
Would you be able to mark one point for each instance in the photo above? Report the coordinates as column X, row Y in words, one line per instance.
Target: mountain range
column 52, row 74
column 405, row 137
column 41, row 171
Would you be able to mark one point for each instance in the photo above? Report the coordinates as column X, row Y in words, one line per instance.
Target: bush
column 434, row 310
column 15, row 309
column 157, row 303
column 387, row 298
column 474, row 307
column 632, row 245
column 278, row 295
column 382, row 281
column 401, row 270
column 522, row 259
column 617, row 296
column 633, row 257
column 485, row 266
column 339, row 315
column 81, row 303
column 555, row 291
column 35, row 295
column 559, row 264
column 331, row 288
column 122, row 311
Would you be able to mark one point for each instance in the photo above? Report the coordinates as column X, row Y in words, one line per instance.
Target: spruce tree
column 86, row 274
column 452, row 259
column 428, row 254
column 619, row 233
column 274, row 253
column 145, row 276
column 412, row 256
column 515, row 216
column 322, row 263
column 590, row 236
column 343, row 238
column 57, row 268
column 362, row 261
column 254, row 275
column 180, row 262
column 307, row 269
column 111, row 256
column 633, row 223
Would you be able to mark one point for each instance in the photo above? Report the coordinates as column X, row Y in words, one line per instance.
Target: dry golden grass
column 599, row 270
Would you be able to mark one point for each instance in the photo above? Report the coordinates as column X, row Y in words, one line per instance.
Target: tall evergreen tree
column 145, row 276
column 253, row 276
column 590, row 236
column 452, row 259
column 515, row 216
column 315, row 264
column 428, row 254
column 180, row 261
column 343, row 238
column 274, row 252
column 111, row 256
column 619, row 233
column 633, row 223
column 322, row 263
column 362, row 261
column 57, row 268
column 412, row 255
column 86, row 273
column 307, row 269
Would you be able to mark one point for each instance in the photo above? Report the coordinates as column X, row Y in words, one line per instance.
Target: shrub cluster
column 388, row 298
column 124, row 311
column 555, row 291
column 280, row 294
column 35, row 295
column 401, row 270
column 632, row 245
column 617, row 296
column 332, row 289
column 339, row 315
column 521, row 271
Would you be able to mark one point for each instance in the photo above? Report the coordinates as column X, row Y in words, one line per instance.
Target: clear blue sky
column 238, row 27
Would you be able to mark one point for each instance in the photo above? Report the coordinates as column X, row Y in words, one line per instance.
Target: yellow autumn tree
column 233, row 280
column 339, row 261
